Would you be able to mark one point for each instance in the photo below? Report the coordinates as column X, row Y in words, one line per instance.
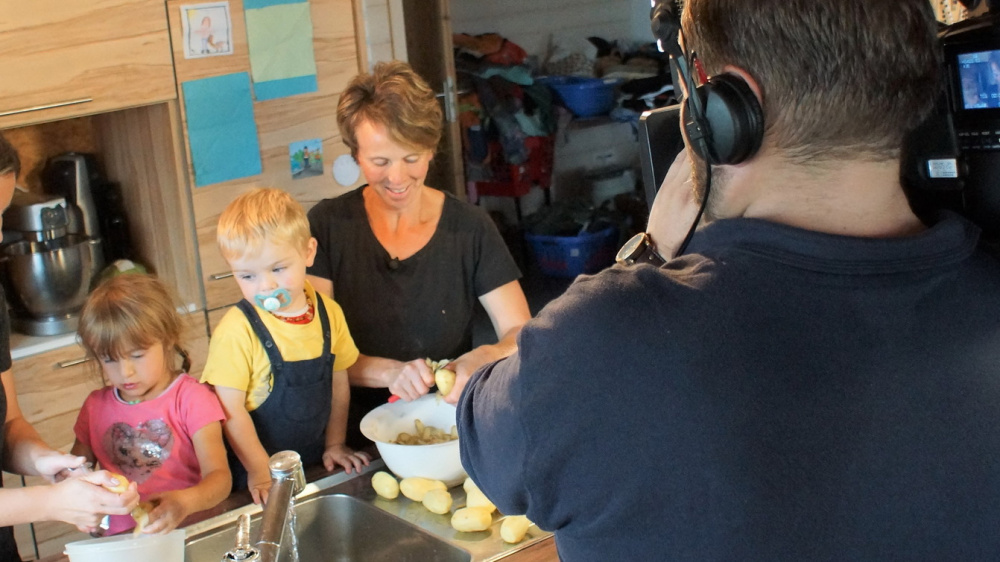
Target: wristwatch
column 639, row 249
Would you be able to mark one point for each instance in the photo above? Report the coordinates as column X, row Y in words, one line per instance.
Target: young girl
column 159, row 428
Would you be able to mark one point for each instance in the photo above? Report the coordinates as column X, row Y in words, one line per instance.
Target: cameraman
column 817, row 378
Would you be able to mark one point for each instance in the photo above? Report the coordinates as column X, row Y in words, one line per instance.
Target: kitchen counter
column 22, row 345
column 543, row 550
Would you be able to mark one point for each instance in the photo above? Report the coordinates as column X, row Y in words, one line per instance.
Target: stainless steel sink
column 340, row 518
column 339, row 527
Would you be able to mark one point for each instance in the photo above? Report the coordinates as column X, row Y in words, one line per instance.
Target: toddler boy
column 278, row 360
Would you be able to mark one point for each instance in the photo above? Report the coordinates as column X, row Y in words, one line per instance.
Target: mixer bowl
column 47, row 283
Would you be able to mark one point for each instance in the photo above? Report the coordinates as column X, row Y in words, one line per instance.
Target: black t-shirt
column 8, row 548
column 422, row 306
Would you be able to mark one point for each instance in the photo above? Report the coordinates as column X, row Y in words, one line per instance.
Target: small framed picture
column 208, row 31
column 306, row 158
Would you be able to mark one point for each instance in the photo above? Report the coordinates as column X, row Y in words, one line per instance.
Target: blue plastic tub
column 585, row 97
column 569, row 256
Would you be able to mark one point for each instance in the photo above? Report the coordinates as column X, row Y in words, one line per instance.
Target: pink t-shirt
column 150, row 443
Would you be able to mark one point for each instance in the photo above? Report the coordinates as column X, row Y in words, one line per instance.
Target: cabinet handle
column 220, row 276
column 49, row 106
column 72, row 362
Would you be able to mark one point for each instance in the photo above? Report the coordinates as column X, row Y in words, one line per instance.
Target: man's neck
column 850, row 198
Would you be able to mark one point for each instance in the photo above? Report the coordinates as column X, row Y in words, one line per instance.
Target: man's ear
column 745, row 76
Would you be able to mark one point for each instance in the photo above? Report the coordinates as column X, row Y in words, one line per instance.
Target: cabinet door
column 65, row 58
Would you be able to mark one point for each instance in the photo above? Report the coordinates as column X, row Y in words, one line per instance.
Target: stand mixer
column 46, row 268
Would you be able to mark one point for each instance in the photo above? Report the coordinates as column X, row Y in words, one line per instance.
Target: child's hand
column 341, row 455
column 259, row 487
column 168, row 512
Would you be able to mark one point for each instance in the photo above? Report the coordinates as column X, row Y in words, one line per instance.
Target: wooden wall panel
column 279, row 122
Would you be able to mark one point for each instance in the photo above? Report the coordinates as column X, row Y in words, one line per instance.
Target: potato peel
column 443, row 378
column 141, row 511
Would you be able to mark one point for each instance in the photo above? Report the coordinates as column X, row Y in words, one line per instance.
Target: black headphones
column 723, row 119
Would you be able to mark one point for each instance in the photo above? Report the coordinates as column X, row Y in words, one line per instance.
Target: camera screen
column 980, row 76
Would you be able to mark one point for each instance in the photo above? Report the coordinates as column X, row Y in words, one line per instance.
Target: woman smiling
column 407, row 262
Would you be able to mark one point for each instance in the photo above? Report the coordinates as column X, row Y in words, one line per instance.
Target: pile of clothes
column 500, row 107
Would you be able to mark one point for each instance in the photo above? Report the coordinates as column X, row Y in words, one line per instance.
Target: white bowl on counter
column 440, row 461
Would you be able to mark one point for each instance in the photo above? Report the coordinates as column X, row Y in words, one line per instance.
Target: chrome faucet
column 242, row 552
column 287, row 480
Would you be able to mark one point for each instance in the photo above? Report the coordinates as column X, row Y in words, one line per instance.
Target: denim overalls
column 296, row 413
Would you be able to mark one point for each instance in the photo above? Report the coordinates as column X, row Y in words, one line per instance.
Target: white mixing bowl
column 440, row 461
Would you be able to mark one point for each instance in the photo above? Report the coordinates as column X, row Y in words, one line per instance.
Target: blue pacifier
column 277, row 299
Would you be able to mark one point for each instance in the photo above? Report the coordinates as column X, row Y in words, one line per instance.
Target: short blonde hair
column 261, row 216
column 128, row 312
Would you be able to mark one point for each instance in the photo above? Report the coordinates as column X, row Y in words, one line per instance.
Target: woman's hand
column 464, row 367
column 411, row 380
column 83, row 500
column 56, row 466
column 342, row 455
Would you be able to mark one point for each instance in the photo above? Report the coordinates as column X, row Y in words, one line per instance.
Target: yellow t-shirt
column 236, row 356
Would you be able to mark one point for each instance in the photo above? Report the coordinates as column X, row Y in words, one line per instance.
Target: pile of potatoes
column 477, row 515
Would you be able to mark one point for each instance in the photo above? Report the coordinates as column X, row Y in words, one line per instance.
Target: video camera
column 953, row 159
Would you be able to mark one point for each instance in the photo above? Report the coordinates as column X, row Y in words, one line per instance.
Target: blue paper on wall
column 280, row 40
column 221, row 128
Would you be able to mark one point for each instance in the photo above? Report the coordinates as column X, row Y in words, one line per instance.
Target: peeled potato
column 141, row 511
column 141, row 516
column 416, row 487
column 471, row 519
column 385, row 485
column 122, row 486
column 437, row 501
column 474, row 497
column 513, row 528
column 468, row 484
column 445, row 380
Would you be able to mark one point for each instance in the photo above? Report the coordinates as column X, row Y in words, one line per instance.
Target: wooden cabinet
column 280, row 122
column 142, row 149
column 66, row 58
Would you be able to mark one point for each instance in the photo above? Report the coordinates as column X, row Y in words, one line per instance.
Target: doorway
column 429, row 50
